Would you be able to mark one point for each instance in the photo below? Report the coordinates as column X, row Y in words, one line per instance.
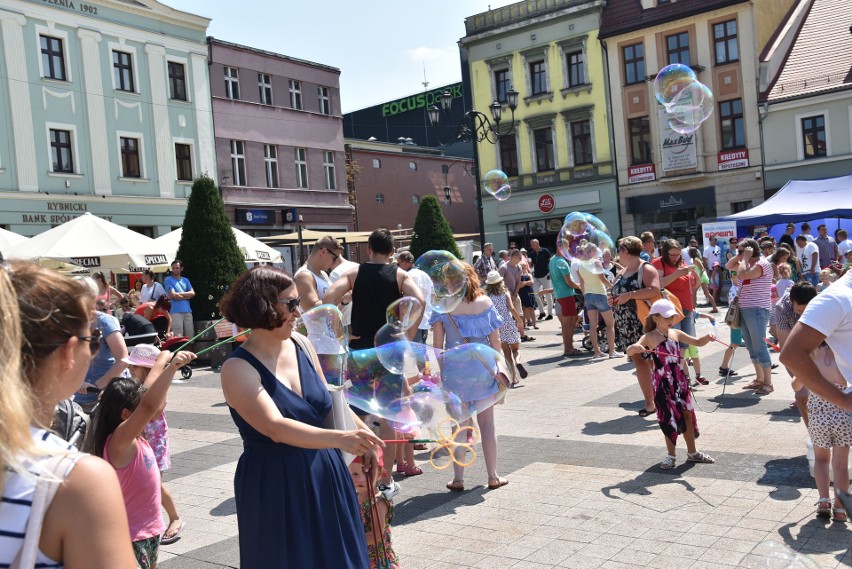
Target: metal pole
column 478, row 194
column 301, row 251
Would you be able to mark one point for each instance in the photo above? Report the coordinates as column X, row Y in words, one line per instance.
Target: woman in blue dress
column 296, row 504
column 474, row 320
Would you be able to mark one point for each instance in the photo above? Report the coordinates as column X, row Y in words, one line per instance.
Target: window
column 183, row 159
column 733, row 125
column 725, row 40
column 270, row 159
column 177, row 81
column 415, row 199
column 576, row 68
column 52, row 58
column 538, row 78
column 130, row 164
column 328, row 167
column 737, row 207
column 296, row 94
column 380, row 198
column 264, row 85
column 581, row 142
column 377, row 163
column 813, row 137
column 122, row 67
column 232, row 83
column 412, row 166
column 509, row 155
column 677, row 48
column 634, row 63
column 60, row 150
column 301, row 168
column 324, row 100
column 640, row 140
column 448, row 195
column 502, row 84
column 238, row 163
column 543, row 138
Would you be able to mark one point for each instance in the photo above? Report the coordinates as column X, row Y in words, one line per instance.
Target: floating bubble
column 496, row 183
column 774, row 555
column 323, row 325
column 690, row 108
column 584, row 238
column 449, row 282
column 671, row 80
column 394, row 349
column 404, row 312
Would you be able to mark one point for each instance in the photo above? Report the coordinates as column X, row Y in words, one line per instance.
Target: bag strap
column 302, row 342
column 46, row 487
column 456, row 326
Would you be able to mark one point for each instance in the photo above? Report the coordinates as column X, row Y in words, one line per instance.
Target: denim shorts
column 596, row 302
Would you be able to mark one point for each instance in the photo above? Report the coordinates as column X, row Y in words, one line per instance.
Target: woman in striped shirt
column 755, row 300
column 45, row 348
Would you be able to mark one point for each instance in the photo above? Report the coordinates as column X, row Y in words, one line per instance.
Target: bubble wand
column 194, row 338
column 226, row 341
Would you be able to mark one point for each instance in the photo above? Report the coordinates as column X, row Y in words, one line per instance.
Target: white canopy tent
column 95, row 243
column 801, row 200
column 9, row 240
column 253, row 250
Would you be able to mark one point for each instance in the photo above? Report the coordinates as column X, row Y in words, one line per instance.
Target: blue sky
column 380, row 46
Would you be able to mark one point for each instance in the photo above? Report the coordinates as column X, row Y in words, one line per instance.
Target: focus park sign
column 420, row 101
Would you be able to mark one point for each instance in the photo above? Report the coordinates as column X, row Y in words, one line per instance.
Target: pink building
column 279, row 140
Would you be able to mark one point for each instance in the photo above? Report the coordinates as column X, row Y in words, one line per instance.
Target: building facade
column 671, row 183
column 279, row 141
column 106, row 109
column 389, row 180
column 806, row 96
column 557, row 152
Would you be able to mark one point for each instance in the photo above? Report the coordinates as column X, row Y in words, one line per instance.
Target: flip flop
column 175, row 536
column 644, row 412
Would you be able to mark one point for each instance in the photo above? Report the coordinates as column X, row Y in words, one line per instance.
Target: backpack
column 70, row 421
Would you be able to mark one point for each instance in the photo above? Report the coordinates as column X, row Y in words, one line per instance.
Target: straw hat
column 493, row 278
column 143, row 355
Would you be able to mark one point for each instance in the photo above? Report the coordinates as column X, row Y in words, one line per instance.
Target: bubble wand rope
column 724, row 384
column 194, row 338
column 217, row 344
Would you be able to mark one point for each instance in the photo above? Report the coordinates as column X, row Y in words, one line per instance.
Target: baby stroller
column 172, row 345
column 603, row 342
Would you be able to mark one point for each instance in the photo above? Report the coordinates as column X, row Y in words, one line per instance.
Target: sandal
column 823, row 507
column 727, row 371
column 839, row 515
column 412, row 471
column 702, row 380
column 644, row 412
column 420, row 446
column 167, row 539
column 400, row 468
column 668, row 463
column 699, row 456
column 753, row 385
column 494, row 483
column 765, row 390
column 456, row 485
column 522, row 371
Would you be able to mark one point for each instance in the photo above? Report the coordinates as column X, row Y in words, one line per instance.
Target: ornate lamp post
column 477, row 127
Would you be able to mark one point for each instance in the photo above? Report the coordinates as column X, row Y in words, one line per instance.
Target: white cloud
column 427, row 54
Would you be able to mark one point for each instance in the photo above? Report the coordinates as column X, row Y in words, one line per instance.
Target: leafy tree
column 208, row 248
column 431, row 230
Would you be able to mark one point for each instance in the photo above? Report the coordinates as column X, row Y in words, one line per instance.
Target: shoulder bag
column 732, row 316
column 643, row 306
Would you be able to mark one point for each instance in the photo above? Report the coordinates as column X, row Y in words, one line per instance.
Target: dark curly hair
column 252, row 300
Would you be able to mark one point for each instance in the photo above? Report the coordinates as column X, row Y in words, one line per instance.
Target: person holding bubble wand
column 672, row 397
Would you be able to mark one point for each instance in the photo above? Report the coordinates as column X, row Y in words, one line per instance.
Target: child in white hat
column 672, row 398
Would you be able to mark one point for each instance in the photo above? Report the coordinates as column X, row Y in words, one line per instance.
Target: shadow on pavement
column 226, row 508
column 622, row 426
column 654, row 476
column 786, row 415
column 788, row 474
column 436, row 504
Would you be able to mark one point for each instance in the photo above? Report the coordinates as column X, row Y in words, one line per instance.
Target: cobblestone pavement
column 584, row 491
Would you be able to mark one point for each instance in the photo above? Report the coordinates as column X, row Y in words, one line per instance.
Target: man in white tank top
column 312, row 278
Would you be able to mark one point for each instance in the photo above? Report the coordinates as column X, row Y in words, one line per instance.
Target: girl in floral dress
column 672, row 398
column 510, row 337
column 379, row 543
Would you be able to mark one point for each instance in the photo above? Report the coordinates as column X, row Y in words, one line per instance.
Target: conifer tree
column 431, row 230
column 208, row 248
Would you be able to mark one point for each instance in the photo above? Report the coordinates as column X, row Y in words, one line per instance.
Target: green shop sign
column 420, row 101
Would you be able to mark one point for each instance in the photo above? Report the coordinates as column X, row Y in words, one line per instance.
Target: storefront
column 678, row 215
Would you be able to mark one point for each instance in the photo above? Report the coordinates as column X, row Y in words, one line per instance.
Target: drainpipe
column 611, row 129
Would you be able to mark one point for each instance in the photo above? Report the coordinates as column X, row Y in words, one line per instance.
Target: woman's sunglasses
column 291, row 303
column 94, row 340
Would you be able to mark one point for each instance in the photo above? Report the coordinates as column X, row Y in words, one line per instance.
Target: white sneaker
column 616, row 355
column 391, row 490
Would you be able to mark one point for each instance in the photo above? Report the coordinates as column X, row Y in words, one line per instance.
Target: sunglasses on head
column 291, row 303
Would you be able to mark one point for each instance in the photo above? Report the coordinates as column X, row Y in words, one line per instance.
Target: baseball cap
column 664, row 308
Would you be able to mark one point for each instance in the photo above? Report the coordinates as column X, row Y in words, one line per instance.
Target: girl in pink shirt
column 125, row 408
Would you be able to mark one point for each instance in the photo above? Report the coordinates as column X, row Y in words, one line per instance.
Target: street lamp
column 477, row 127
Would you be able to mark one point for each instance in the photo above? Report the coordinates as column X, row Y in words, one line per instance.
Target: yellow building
column 671, row 183
column 557, row 149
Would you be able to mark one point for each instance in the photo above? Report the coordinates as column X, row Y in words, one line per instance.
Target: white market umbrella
column 253, row 250
column 9, row 240
column 95, row 243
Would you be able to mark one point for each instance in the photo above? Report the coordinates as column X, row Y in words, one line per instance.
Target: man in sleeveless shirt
column 312, row 279
column 374, row 286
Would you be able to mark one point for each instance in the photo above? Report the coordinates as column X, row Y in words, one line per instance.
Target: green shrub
column 431, row 230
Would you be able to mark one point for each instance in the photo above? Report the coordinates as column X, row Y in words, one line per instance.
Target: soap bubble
column 394, row 349
column 774, row 555
column 584, row 238
column 671, row 80
column 449, row 282
column 404, row 312
column 496, row 183
column 323, row 325
column 690, row 108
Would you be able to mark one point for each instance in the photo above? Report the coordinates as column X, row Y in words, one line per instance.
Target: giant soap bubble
column 671, row 80
column 449, row 283
column 394, row 349
column 687, row 101
column 584, row 238
column 496, row 183
column 323, row 325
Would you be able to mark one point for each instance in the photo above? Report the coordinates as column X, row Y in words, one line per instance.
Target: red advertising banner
column 733, row 159
column 641, row 173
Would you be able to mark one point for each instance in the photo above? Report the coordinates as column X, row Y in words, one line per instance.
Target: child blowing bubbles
column 673, row 401
column 379, row 543
column 125, row 408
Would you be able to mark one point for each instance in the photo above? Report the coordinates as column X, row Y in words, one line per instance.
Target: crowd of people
column 58, row 340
